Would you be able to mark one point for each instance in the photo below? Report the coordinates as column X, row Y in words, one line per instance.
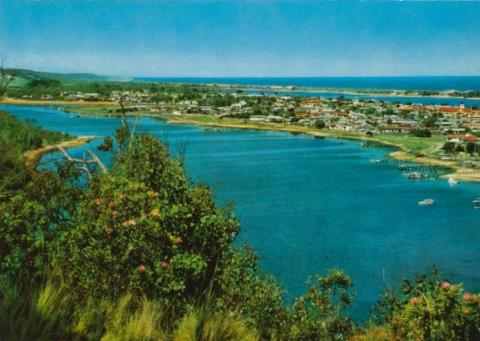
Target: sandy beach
column 16, row 101
column 32, row 157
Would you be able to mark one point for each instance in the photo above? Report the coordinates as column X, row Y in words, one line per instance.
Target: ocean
column 440, row 83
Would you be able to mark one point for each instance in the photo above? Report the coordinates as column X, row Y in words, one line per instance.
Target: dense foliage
column 17, row 137
column 25, row 136
column 141, row 253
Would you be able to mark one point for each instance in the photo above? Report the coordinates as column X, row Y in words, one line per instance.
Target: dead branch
column 84, row 163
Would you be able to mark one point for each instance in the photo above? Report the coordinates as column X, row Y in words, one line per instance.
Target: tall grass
column 206, row 325
column 40, row 315
column 140, row 324
column 48, row 313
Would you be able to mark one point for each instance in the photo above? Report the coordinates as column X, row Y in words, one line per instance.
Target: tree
column 319, row 124
column 6, row 77
column 470, row 147
column 449, row 147
column 421, row 132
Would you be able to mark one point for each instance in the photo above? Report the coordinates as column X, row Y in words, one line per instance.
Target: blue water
column 463, row 83
column 307, row 205
column 426, row 100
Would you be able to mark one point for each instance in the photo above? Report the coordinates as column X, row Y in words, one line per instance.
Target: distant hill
column 24, row 77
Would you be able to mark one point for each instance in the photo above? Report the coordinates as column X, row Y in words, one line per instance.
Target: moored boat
column 415, row 176
column 452, row 182
column 426, row 202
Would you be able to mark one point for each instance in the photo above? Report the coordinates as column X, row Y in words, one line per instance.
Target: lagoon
column 307, row 205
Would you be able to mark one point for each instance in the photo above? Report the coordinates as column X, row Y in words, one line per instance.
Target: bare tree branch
column 84, row 163
column 97, row 161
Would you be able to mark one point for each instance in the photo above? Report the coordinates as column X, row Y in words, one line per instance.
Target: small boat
column 426, row 202
column 452, row 182
column 414, row 176
column 377, row 161
column 476, row 203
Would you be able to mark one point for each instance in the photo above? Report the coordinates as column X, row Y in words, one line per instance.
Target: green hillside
column 24, row 77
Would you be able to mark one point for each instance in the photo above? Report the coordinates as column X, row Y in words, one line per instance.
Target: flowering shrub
column 133, row 235
column 432, row 309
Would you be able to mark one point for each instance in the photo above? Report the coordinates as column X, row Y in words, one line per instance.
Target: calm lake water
column 307, row 205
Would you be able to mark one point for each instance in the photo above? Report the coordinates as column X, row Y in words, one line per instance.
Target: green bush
column 320, row 314
column 431, row 309
column 421, row 132
column 449, row 147
column 143, row 229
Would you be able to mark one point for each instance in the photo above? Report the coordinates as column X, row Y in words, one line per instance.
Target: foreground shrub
column 242, row 288
column 31, row 224
column 320, row 314
column 431, row 309
column 150, row 235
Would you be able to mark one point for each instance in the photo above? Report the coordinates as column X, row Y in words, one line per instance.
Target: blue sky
column 242, row 38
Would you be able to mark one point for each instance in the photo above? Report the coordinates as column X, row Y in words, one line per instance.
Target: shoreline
column 39, row 102
column 386, row 93
column 458, row 173
column 225, row 87
column 32, row 157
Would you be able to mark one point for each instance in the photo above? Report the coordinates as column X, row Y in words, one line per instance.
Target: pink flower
column 114, row 213
column 414, row 300
column 467, row 296
column 141, row 268
column 445, row 285
column 121, row 197
column 129, row 222
column 164, row 264
column 176, row 240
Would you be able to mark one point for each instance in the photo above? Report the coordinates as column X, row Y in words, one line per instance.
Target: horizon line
column 244, row 76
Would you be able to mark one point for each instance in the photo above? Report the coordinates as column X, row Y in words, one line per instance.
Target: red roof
column 465, row 138
column 470, row 138
column 312, row 101
column 449, row 109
